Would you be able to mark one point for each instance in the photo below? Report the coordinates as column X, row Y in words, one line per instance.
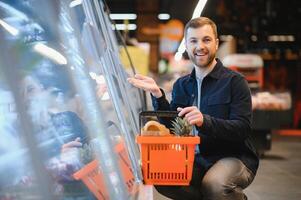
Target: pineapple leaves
column 181, row 127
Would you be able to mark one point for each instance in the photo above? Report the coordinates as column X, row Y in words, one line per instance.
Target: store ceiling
column 232, row 16
column 245, row 20
column 179, row 9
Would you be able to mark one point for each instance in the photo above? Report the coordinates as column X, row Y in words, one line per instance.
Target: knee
column 215, row 188
column 178, row 192
column 212, row 187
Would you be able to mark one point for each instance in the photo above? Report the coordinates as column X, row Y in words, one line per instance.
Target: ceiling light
column 178, row 56
column 199, row 8
column 254, row 38
column 196, row 13
column 75, row 3
column 290, row 38
column 281, row 38
column 12, row 30
column 125, row 27
column 129, row 16
column 50, row 53
column 164, row 16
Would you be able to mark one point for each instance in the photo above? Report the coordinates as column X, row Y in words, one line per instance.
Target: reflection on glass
column 63, row 93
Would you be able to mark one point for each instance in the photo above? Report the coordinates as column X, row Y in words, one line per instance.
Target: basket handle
column 158, row 113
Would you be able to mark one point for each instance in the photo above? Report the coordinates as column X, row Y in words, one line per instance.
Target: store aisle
column 279, row 174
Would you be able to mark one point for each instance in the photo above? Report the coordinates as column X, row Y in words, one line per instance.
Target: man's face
column 201, row 46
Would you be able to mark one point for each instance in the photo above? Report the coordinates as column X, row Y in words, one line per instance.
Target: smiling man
column 217, row 101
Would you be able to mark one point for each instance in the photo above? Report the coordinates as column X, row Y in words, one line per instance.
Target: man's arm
column 160, row 103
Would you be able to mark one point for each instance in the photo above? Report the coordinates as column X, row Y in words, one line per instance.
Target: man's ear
column 185, row 43
column 217, row 43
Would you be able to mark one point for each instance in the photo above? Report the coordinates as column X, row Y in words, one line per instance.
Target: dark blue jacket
column 227, row 110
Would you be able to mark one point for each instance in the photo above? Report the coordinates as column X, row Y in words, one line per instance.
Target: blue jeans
column 225, row 180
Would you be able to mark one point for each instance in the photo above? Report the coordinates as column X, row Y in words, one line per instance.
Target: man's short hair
column 199, row 22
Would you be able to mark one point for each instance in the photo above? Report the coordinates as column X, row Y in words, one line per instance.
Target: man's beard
column 209, row 60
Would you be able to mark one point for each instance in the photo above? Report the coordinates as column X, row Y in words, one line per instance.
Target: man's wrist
column 157, row 93
column 200, row 123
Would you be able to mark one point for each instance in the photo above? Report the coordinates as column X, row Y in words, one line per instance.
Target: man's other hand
column 192, row 114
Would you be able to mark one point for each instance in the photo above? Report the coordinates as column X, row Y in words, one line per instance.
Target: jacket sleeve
column 238, row 126
column 160, row 103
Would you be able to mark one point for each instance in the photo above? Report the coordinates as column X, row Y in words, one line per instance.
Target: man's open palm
column 145, row 83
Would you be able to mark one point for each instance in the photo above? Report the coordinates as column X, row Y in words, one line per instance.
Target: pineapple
column 181, row 127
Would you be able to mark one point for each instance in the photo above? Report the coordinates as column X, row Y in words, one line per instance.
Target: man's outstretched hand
column 146, row 83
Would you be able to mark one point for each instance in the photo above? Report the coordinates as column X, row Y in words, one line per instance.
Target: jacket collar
column 215, row 73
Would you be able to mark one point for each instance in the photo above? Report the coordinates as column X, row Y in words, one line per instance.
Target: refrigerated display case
column 64, row 100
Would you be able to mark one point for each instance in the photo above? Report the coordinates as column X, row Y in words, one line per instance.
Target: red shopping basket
column 167, row 160
column 92, row 176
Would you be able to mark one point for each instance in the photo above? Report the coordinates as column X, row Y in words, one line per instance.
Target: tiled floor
column 279, row 174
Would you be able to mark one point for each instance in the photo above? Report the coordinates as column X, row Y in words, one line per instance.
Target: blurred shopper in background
column 217, row 101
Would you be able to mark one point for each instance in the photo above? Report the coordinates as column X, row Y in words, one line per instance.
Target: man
column 217, row 102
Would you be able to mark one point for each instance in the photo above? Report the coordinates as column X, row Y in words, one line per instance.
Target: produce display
column 271, row 101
